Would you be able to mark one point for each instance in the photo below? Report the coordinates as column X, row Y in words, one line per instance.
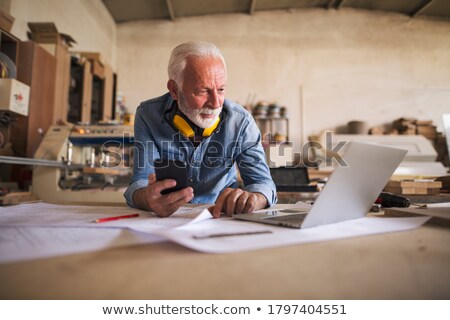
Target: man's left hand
column 238, row 201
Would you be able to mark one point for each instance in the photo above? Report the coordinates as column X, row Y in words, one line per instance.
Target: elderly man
column 194, row 123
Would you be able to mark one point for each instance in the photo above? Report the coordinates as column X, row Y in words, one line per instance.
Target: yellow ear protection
column 186, row 130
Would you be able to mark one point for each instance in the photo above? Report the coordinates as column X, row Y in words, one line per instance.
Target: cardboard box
column 46, row 32
column 6, row 20
column 14, row 96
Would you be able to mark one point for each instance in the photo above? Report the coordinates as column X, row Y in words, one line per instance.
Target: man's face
column 203, row 93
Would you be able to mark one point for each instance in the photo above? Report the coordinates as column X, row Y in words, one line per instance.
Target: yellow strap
column 183, row 126
column 186, row 129
column 208, row 131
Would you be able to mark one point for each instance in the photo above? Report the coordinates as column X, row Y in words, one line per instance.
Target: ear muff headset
column 186, row 130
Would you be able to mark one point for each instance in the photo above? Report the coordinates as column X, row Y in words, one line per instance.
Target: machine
column 84, row 164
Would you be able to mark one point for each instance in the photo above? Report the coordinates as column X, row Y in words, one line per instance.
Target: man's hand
column 238, row 201
column 151, row 199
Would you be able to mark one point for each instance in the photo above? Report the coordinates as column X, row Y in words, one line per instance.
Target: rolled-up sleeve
column 269, row 192
column 132, row 188
column 144, row 153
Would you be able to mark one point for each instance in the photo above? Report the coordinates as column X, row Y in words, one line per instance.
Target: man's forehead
column 197, row 60
column 197, row 66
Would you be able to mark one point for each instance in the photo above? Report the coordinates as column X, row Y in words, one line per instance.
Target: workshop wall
column 327, row 67
column 87, row 21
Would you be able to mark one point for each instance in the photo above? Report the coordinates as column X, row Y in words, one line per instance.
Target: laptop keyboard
column 291, row 217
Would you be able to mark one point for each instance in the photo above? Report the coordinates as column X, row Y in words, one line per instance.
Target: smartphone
column 171, row 169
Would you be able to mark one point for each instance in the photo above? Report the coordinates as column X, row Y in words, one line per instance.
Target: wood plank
column 415, row 184
column 108, row 88
column 86, row 101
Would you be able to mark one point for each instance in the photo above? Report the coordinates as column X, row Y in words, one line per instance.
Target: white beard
column 195, row 114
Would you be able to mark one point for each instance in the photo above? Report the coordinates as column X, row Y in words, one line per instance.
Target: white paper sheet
column 42, row 230
column 279, row 236
column 32, row 243
column 51, row 215
column 23, row 243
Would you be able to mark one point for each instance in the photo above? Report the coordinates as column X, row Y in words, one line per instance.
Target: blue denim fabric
column 212, row 165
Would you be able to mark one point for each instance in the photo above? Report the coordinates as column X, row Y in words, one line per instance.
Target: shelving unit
column 275, row 139
column 273, row 129
column 9, row 45
column 92, row 94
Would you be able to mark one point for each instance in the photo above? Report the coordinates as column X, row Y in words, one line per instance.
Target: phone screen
column 171, row 169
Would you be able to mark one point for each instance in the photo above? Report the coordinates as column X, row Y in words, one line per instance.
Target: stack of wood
column 421, row 186
column 412, row 126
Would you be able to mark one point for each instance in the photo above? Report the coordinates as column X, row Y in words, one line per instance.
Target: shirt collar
column 167, row 108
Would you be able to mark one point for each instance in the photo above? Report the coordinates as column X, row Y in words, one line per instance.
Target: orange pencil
column 134, row 215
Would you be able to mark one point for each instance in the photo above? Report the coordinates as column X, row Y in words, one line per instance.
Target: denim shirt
column 212, row 165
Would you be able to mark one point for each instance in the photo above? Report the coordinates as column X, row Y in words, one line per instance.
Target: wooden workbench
column 405, row 265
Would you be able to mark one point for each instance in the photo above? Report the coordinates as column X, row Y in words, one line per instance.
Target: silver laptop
column 349, row 193
column 446, row 120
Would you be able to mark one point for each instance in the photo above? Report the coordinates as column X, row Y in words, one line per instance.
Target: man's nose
column 214, row 100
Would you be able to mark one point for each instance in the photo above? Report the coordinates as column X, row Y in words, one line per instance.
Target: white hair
column 200, row 49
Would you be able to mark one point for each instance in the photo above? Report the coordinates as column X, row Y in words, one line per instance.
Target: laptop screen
column 290, row 176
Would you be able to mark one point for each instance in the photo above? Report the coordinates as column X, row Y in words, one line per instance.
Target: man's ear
column 173, row 89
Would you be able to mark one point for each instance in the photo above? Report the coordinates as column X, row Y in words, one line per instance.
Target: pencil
column 220, row 235
column 134, row 215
